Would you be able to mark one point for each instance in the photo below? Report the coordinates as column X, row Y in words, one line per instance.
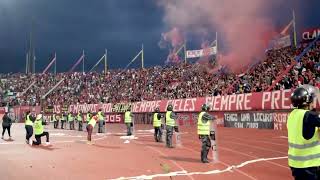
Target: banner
column 114, row 118
column 281, row 42
column 275, row 100
column 202, row 52
column 310, row 34
column 258, row 120
column 20, row 112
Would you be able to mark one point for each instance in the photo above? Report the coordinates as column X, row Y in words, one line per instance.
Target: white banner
column 282, row 42
column 310, row 34
column 202, row 52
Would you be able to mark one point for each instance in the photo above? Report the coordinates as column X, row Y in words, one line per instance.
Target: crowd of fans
column 171, row 82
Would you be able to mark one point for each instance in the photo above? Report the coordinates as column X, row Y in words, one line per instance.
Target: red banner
column 20, row 111
column 310, row 34
column 114, row 118
column 275, row 100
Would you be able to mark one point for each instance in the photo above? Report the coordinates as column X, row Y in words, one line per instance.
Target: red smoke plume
column 175, row 37
column 242, row 23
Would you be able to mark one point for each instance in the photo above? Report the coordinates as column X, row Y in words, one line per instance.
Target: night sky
column 68, row 27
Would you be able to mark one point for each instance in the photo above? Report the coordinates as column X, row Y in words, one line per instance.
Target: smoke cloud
column 242, row 25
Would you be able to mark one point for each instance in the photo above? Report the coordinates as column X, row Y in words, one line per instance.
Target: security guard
column 157, row 124
column 39, row 130
column 128, row 121
column 29, row 127
column 303, row 134
column 170, row 125
column 63, row 120
column 101, row 121
column 55, row 121
column 79, row 118
column 204, row 132
column 71, row 121
column 58, row 118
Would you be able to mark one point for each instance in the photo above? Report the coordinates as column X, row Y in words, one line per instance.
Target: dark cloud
column 68, row 27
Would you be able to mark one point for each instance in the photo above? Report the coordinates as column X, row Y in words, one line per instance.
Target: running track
column 251, row 154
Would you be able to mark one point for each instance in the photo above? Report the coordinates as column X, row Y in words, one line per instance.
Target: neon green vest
column 92, row 122
column 88, row 117
column 38, row 127
column 28, row 121
column 156, row 121
column 79, row 117
column 70, row 118
column 100, row 116
column 302, row 153
column 203, row 128
column 54, row 117
column 169, row 120
column 127, row 117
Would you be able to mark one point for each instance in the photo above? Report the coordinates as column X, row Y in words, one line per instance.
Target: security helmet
column 303, row 95
column 157, row 110
column 205, row 107
column 170, row 107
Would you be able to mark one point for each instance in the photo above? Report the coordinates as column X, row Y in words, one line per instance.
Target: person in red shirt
column 91, row 124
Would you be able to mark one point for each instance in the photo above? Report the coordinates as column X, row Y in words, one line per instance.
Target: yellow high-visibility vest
column 93, row 122
column 127, row 117
column 302, row 153
column 79, row 117
column 28, row 121
column 38, row 127
column 100, row 116
column 203, row 128
column 156, row 121
column 169, row 120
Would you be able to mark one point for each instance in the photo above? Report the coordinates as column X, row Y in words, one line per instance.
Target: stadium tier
column 155, row 83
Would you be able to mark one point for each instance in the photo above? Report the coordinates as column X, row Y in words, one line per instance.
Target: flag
column 175, row 55
column 285, row 30
column 283, row 39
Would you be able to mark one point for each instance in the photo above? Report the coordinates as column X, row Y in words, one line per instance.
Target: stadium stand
column 171, row 82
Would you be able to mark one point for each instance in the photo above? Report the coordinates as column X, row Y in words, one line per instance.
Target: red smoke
column 242, row 23
column 175, row 37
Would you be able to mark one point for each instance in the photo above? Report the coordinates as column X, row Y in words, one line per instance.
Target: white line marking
column 185, row 173
column 237, row 170
column 256, row 147
column 174, row 162
column 244, row 154
column 284, row 137
column 128, row 137
column 161, row 153
column 260, row 141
